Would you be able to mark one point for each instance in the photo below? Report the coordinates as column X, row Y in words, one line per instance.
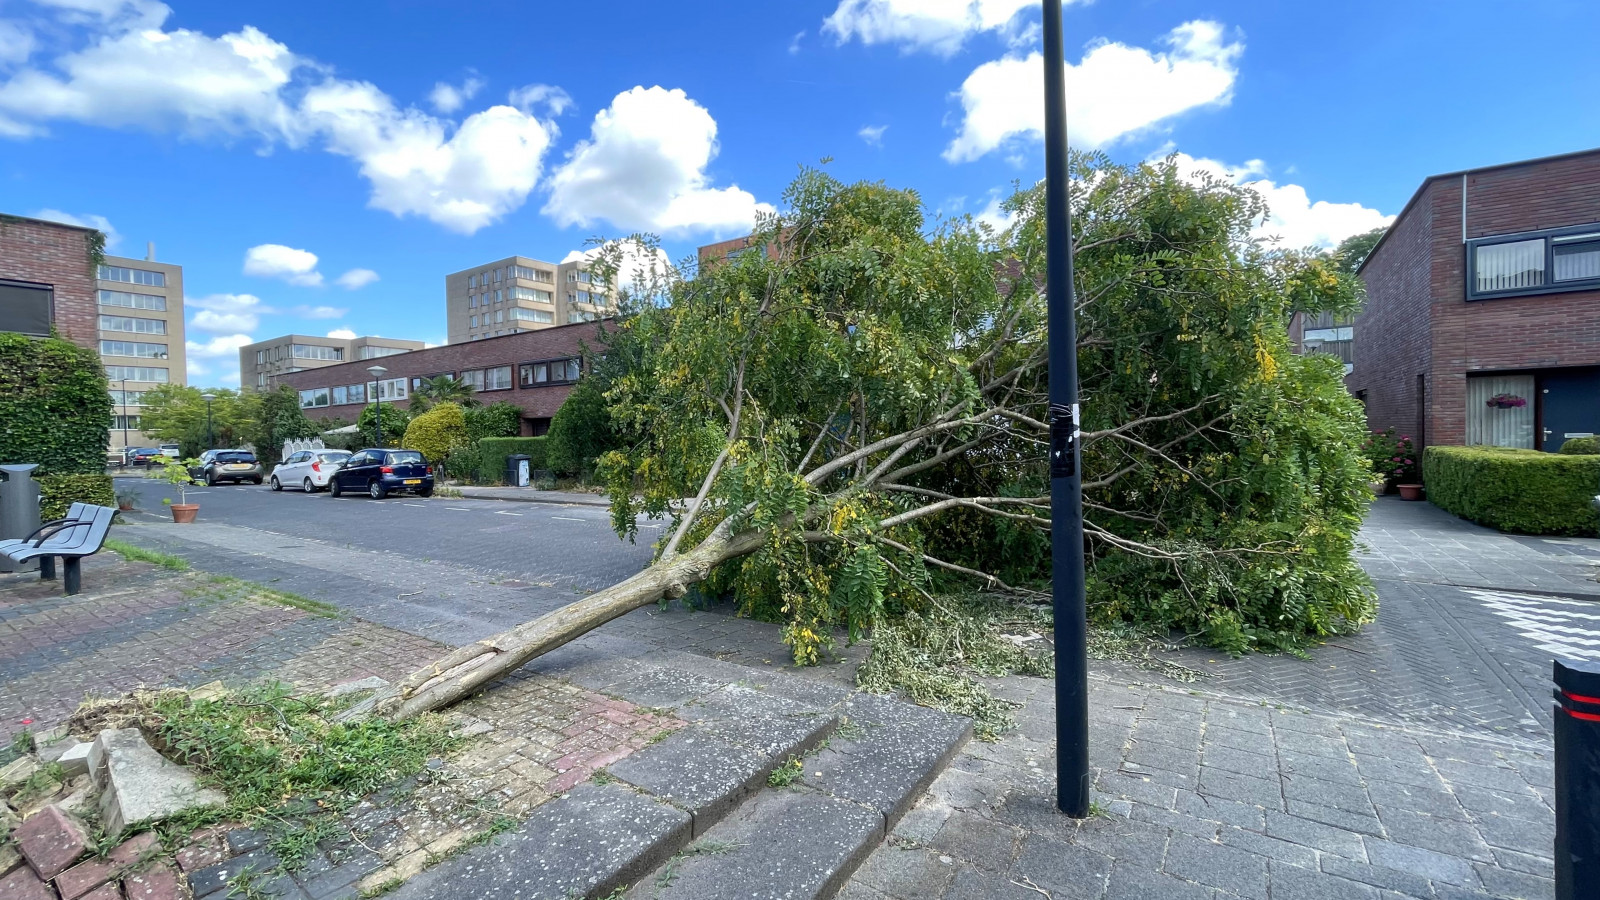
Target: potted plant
column 177, row 472
column 1404, row 472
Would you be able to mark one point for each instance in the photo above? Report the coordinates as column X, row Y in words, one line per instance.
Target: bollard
column 1577, row 731
column 19, row 508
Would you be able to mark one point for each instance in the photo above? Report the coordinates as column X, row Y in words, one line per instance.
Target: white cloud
column 1113, row 92
column 1293, row 218
column 355, row 279
column 638, row 266
column 872, row 134
column 644, row 168
column 993, row 216
column 298, row 267
column 87, row 220
column 447, row 98
column 939, row 26
column 531, row 96
column 221, row 352
column 319, row 312
column 226, row 313
column 16, row 43
column 128, row 73
column 343, row 334
column 794, row 43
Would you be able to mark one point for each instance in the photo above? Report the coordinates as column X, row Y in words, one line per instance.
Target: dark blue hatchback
column 378, row 473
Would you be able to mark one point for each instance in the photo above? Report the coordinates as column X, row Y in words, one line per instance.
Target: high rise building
column 140, row 305
column 262, row 362
column 519, row 294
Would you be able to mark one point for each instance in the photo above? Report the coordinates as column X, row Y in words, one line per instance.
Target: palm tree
column 441, row 389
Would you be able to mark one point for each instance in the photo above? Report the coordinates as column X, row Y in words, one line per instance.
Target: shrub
column 492, row 453
column 581, row 431
column 55, row 405
column 1581, row 447
column 57, row 493
column 395, row 421
column 500, row 419
column 1392, row 456
column 438, row 433
column 1520, row 491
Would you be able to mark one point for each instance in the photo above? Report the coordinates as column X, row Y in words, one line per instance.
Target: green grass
column 786, row 774
column 226, row 587
column 139, row 554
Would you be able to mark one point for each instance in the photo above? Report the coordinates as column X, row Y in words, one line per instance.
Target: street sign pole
column 1066, row 481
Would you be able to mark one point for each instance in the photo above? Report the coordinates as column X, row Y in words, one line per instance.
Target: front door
column 1569, row 407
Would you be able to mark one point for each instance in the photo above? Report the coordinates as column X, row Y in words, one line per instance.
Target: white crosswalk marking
column 1564, row 627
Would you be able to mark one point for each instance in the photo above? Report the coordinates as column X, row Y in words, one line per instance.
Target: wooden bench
column 81, row 533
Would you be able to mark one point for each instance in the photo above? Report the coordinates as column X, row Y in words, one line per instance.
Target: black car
column 141, row 456
column 378, row 473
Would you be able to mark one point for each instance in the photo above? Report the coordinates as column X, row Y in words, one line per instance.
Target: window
column 496, row 379
column 128, row 423
column 497, row 275
column 472, row 281
column 583, row 278
column 129, row 323
column 554, row 371
column 392, row 389
column 518, row 314
column 474, row 322
column 136, row 373
column 26, row 308
column 499, row 296
column 371, row 352
column 133, row 276
column 127, row 398
column 1560, row 259
column 133, row 348
column 499, row 315
column 314, row 399
column 472, row 301
column 575, row 316
column 474, row 378
column 133, row 301
column 313, row 351
column 522, row 293
column 349, row 393
column 583, row 296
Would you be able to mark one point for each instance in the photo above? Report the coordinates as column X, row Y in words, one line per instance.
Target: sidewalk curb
column 548, row 501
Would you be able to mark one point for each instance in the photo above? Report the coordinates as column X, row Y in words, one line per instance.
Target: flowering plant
column 1393, row 457
column 1507, row 401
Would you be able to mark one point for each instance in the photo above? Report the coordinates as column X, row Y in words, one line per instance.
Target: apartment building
column 1482, row 320
column 141, row 336
column 518, row 294
column 47, row 280
column 261, row 363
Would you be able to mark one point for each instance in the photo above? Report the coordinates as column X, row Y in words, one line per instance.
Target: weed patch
column 787, row 774
column 139, row 554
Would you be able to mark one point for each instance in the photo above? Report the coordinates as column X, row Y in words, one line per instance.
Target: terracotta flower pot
column 184, row 513
column 125, row 507
column 1410, row 491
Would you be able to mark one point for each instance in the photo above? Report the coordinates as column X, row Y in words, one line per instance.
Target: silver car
column 217, row 466
column 309, row 470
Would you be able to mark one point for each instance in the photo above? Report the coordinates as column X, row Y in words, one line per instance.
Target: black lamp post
column 1066, row 482
column 377, row 373
column 211, row 440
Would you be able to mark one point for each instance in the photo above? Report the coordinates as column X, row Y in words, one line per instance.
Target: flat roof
column 8, row 216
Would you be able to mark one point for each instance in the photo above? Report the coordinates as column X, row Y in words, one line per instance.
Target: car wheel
column 425, row 492
column 275, row 485
column 307, row 486
column 333, row 488
column 377, row 491
column 256, row 480
column 211, row 480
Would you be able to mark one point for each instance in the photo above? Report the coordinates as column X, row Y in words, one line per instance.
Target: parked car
column 309, row 469
column 139, row 456
column 378, row 473
column 217, row 466
column 172, row 451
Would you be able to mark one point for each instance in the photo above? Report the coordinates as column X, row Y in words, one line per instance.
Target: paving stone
column 1201, row 828
column 22, row 884
column 9, row 857
column 1324, row 838
column 1232, row 786
column 243, row 840
column 1273, row 848
column 1413, row 798
column 768, row 725
column 1427, row 863
column 18, row 770
column 1122, row 839
column 785, row 845
column 1448, row 836
column 155, row 882
column 1363, row 823
column 1236, row 871
column 104, row 892
column 1069, row 870
column 1132, row 881
column 982, row 842
column 1228, row 812
column 906, row 871
column 215, row 879
column 1522, row 886
column 1289, row 882
column 898, row 756
column 50, row 841
column 1242, row 762
column 663, row 688
column 339, row 880
column 1410, row 884
column 588, row 842
column 696, row 772
column 1526, row 863
column 1537, row 838
column 74, row 760
column 359, row 686
column 1340, row 795
column 140, row 785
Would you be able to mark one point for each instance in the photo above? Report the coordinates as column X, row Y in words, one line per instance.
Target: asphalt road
column 531, row 541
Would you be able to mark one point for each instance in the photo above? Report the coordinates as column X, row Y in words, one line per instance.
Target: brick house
column 533, row 369
column 46, row 280
column 1482, row 320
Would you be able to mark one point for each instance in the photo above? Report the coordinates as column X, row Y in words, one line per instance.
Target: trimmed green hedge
column 57, row 493
column 492, row 453
column 1520, row 491
column 1581, row 447
column 55, row 405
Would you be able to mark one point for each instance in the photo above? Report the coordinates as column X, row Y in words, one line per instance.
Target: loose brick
column 158, row 882
column 51, row 841
column 22, row 884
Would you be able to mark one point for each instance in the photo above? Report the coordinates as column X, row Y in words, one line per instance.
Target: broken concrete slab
column 696, row 772
column 588, row 843
column 9, row 858
column 18, row 770
column 51, row 841
column 140, row 785
column 783, row 845
column 370, row 683
column 74, row 760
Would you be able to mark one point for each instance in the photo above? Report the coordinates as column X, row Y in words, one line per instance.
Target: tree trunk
column 469, row 668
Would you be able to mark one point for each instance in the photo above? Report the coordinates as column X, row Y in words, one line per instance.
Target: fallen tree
column 859, row 411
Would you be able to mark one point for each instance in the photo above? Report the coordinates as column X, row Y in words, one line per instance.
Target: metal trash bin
column 19, row 509
column 517, row 469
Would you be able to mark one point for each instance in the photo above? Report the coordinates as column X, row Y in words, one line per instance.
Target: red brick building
column 1482, row 321
column 46, row 279
column 533, row 369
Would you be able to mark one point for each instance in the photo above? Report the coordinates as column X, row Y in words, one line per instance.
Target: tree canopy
column 1354, row 250
column 442, row 389
column 177, row 413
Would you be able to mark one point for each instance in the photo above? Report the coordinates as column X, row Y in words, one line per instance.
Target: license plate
column 413, row 481
column 238, row 465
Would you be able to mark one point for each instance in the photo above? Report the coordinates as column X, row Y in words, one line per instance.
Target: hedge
column 1519, row 491
column 58, row 492
column 55, row 405
column 1581, row 447
column 492, row 453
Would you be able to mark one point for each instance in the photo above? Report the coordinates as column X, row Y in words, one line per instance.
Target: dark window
column 26, row 308
column 1536, row 262
column 235, row 457
column 404, row 457
column 538, row 427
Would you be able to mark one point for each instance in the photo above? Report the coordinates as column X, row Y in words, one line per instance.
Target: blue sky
column 318, row 167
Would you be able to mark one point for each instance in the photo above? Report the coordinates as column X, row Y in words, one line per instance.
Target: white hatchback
column 309, row 469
